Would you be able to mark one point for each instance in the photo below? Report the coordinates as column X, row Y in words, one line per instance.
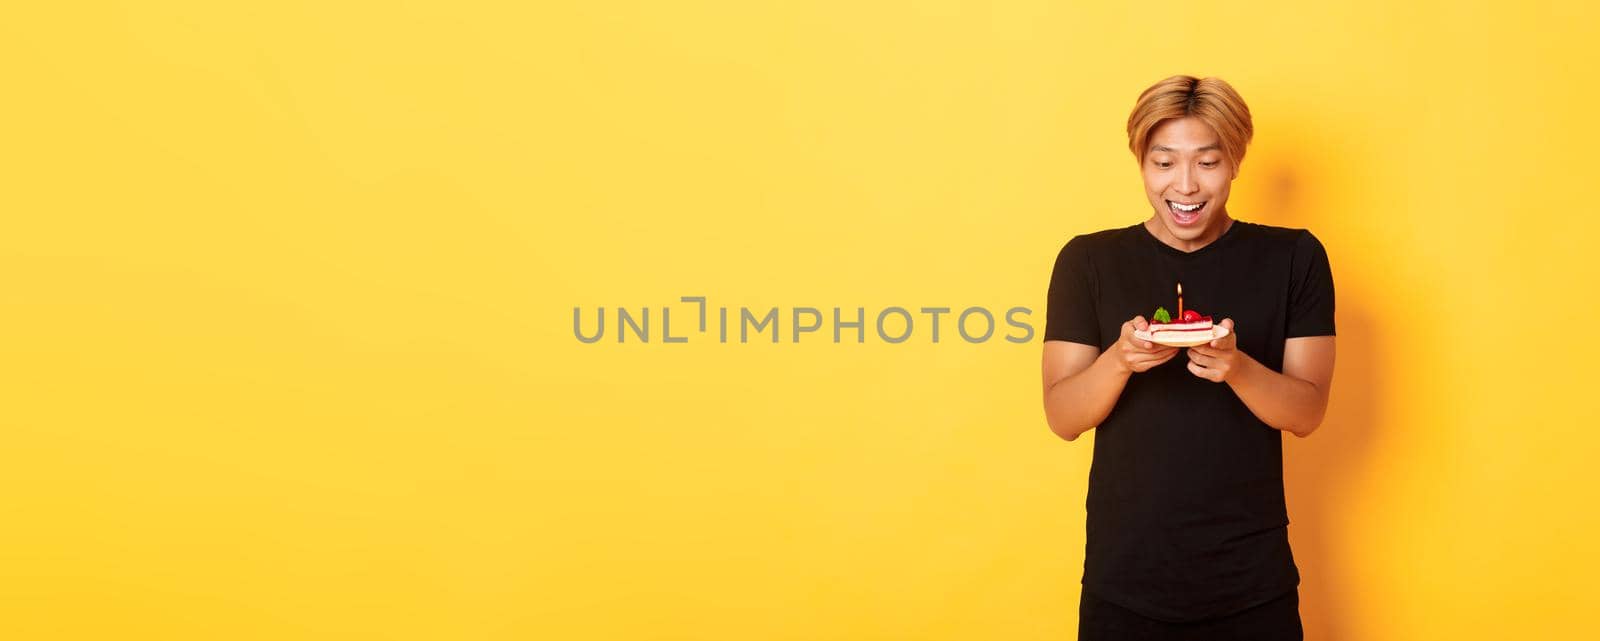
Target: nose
column 1186, row 184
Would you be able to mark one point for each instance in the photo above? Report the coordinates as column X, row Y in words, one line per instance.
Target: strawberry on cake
column 1191, row 327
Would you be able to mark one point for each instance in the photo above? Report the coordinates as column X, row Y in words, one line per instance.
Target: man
column 1187, row 524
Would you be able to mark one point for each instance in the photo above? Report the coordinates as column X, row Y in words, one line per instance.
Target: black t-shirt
column 1186, row 511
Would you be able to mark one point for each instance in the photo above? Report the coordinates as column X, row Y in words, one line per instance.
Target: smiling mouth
column 1186, row 212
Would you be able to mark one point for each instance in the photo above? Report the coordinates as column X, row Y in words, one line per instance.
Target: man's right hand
column 1133, row 355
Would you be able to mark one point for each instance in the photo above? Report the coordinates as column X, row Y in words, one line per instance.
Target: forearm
column 1077, row 403
column 1279, row 400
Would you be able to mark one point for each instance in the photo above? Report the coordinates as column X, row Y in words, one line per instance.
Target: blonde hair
column 1211, row 100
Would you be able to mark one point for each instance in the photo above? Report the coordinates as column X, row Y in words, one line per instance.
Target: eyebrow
column 1166, row 148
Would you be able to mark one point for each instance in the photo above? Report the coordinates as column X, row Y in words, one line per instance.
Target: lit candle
column 1180, row 302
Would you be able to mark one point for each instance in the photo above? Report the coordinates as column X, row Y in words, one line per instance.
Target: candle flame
column 1180, row 289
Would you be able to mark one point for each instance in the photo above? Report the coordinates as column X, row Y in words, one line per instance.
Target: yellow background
column 288, row 291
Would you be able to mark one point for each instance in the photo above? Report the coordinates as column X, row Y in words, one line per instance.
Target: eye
column 1209, row 165
column 1163, row 164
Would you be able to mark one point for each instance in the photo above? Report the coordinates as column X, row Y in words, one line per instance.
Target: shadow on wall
column 1320, row 468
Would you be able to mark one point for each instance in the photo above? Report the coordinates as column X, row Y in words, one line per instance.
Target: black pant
column 1275, row 620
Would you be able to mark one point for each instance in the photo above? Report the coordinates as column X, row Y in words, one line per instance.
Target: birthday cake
column 1191, row 326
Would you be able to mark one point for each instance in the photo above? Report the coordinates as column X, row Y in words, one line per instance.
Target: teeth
column 1183, row 208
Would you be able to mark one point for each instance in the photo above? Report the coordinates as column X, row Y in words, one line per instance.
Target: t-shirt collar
column 1227, row 234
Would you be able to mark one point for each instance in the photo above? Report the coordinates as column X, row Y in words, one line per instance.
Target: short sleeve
column 1310, row 289
column 1070, row 311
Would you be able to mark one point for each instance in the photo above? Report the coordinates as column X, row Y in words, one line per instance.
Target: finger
column 1139, row 342
column 1146, row 356
column 1157, row 355
column 1161, row 355
column 1143, row 345
column 1201, row 372
column 1139, row 323
column 1226, row 342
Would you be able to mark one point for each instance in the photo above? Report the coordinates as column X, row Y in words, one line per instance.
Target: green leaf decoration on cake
column 1161, row 315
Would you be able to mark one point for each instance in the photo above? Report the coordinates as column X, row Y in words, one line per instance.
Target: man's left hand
column 1218, row 360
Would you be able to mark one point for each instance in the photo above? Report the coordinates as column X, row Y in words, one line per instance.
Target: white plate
column 1217, row 331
